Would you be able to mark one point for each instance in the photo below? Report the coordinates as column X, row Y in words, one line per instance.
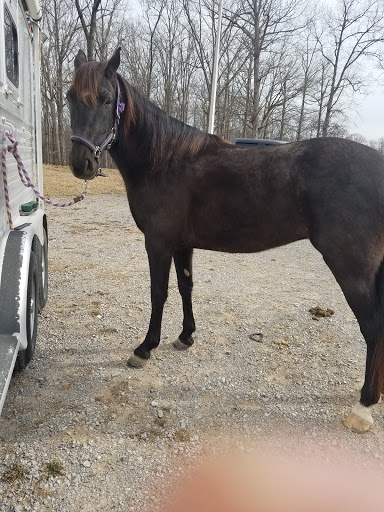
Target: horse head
column 95, row 108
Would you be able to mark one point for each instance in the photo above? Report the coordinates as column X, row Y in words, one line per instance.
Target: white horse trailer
column 23, row 224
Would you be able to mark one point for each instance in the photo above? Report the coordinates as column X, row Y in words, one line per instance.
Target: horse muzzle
column 82, row 162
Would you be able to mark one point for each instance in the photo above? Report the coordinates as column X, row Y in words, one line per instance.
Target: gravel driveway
column 81, row 431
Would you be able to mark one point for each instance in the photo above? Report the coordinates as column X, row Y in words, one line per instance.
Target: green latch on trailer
column 27, row 208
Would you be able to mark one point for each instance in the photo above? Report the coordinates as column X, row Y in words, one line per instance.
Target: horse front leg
column 183, row 264
column 160, row 259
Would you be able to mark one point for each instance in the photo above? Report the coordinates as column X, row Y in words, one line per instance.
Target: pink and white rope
column 26, row 181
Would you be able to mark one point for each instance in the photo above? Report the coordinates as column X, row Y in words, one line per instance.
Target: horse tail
column 377, row 365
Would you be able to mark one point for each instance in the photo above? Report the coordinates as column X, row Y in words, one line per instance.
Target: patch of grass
column 44, row 493
column 60, row 182
column 80, row 372
column 182, row 436
column 54, row 468
column 108, row 330
column 15, row 472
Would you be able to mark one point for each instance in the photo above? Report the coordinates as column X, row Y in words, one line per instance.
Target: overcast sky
column 369, row 121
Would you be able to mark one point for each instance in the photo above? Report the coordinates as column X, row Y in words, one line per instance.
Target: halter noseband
column 107, row 143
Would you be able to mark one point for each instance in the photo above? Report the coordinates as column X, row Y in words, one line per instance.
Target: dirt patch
column 261, row 371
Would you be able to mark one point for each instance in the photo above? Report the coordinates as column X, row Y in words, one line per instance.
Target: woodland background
column 289, row 69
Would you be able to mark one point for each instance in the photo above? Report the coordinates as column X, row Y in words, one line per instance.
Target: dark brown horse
column 189, row 189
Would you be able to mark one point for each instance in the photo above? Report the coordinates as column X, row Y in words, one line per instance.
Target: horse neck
column 154, row 136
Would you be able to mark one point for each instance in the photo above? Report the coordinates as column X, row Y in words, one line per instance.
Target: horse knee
column 185, row 288
column 159, row 297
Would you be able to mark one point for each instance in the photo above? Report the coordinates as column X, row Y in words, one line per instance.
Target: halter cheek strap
column 107, row 143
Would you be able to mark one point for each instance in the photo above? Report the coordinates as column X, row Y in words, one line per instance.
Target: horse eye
column 107, row 102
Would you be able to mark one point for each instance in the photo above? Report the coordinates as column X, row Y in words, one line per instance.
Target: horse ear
column 80, row 59
column 114, row 62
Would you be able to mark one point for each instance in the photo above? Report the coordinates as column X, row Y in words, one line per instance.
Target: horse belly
column 247, row 226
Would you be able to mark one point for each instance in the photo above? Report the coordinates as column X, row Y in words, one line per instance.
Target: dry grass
column 59, row 182
column 15, row 472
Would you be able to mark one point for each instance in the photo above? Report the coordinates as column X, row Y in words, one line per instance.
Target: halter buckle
column 113, row 135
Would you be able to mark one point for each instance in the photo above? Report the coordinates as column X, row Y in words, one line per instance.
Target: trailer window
column 11, row 48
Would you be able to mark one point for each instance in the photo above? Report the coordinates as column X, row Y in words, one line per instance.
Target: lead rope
column 26, row 181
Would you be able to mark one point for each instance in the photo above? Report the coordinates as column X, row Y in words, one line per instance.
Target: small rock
column 257, row 336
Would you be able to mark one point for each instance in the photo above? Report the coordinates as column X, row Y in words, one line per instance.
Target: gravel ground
column 81, row 431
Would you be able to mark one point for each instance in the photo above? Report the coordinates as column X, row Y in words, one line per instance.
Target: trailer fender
column 14, row 285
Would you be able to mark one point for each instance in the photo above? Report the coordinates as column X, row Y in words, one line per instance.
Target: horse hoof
column 179, row 345
column 359, row 419
column 357, row 424
column 136, row 362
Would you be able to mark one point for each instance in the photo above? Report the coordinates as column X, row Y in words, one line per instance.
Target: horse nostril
column 90, row 169
column 85, row 170
column 87, row 165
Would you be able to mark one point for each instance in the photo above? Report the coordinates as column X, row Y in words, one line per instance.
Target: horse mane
column 157, row 135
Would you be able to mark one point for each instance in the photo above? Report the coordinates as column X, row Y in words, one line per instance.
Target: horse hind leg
column 367, row 302
column 360, row 418
column 183, row 264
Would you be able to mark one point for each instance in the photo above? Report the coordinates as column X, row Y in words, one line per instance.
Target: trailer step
column 9, row 347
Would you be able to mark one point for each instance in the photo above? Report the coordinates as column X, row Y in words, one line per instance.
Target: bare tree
column 201, row 16
column 88, row 16
column 378, row 144
column 109, row 29
column 355, row 31
column 61, row 23
column 264, row 23
column 152, row 13
column 309, row 68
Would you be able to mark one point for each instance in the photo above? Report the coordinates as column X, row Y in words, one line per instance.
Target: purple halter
column 97, row 150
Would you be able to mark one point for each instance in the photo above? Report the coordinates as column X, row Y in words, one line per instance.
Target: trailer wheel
column 25, row 356
column 43, row 270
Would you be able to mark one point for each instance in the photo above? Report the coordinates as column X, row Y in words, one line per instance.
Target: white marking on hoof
column 359, row 419
column 180, row 345
column 186, row 272
column 136, row 362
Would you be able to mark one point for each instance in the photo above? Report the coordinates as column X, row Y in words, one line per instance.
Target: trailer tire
column 43, row 272
column 25, row 356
